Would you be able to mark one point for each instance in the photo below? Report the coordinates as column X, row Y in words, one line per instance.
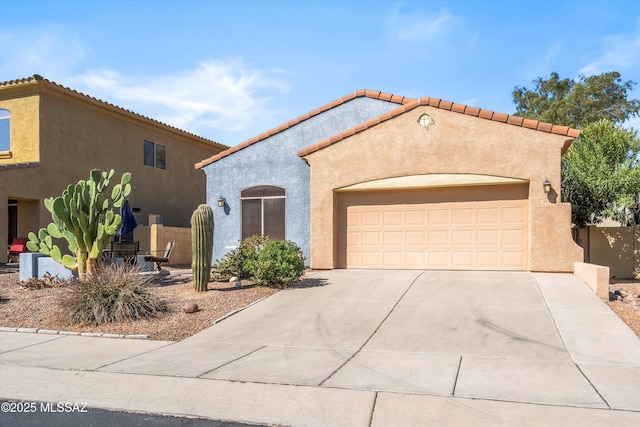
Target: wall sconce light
column 546, row 185
column 222, row 202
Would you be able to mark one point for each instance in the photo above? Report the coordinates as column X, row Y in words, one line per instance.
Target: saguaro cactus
column 202, row 246
column 85, row 219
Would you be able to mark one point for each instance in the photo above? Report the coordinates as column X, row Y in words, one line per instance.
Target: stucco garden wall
column 274, row 161
column 454, row 144
column 617, row 248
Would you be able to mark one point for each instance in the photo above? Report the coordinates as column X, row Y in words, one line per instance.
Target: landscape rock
column 190, row 307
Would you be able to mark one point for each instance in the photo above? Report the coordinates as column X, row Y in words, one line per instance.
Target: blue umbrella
column 128, row 220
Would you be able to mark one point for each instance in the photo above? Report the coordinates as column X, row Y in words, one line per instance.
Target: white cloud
column 51, row 53
column 618, row 52
column 421, row 27
column 213, row 98
column 216, row 95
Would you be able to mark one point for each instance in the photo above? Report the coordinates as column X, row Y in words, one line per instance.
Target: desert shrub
column 234, row 263
column 114, row 294
column 279, row 264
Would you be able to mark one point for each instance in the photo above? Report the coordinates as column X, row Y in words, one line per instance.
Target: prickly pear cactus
column 85, row 219
column 202, row 246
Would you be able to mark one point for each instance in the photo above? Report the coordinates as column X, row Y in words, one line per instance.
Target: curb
column 74, row 333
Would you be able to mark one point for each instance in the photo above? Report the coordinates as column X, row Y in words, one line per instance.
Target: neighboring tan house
column 52, row 136
column 424, row 184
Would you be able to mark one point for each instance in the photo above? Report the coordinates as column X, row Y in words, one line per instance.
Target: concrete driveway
column 371, row 337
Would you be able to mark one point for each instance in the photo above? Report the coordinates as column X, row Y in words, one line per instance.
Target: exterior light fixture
column 546, row 185
column 425, row 120
column 222, row 202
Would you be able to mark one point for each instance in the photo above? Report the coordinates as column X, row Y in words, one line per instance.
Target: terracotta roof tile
column 544, row 127
column 434, row 102
column 500, row 117
column 560, row 130
column 515, row 120
column 410, row 105
column 446, row 105
column 531, row 124
column 458, row 108
column 41, row 80
column 360, row 127
column 486, row 114
column 472, row 111
column 372, row 94
column 357, row 94
column 574, row 133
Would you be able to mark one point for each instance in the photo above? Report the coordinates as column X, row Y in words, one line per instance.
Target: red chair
column 18, row 246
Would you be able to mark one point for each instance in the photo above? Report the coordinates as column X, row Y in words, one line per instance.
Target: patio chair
column 17, row 247
column 128, row 250
column 159, row 260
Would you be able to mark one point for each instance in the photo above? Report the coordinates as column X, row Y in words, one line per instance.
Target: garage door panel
column 514, row 237
column 488, row 216
column 369, row 238
column 391, row 218
column 415, row 259
column 463, row 260
column 514, row 215
column 415, row 217
column 415, row 238
column 437, row 238
column 512, row 260
column 463, row 238
column 488, row 237
column 438, row 259
column 463, row 216
column 394, row 230
column 371, row 259
column 488, row 260
column 393, row 259
column 393, row 238
column 369, row 219
column 438, row 217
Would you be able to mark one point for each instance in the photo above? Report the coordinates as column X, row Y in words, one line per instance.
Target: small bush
column 235, row 262
column 115, row 294
column 278, row 264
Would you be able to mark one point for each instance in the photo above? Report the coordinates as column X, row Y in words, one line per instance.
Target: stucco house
column 375, row 180
column 51, row 136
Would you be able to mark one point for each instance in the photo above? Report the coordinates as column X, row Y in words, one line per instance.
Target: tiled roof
column 450, row 106
column 357, row 94
column 39, row 78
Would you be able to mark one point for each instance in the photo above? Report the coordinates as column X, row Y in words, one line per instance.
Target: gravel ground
column 627, row 309
column 26, row 308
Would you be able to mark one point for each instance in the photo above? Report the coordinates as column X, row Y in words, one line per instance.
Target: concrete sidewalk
column 360, row 348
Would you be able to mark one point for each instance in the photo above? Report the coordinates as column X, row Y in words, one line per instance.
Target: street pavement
column 364, row 348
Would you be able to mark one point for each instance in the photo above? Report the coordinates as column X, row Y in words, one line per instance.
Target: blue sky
column 230, row 70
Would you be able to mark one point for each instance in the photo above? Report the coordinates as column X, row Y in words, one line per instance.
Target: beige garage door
column 460, row 228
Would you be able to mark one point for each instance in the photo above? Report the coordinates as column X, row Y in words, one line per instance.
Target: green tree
column 601, row 173
column 576, row 103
